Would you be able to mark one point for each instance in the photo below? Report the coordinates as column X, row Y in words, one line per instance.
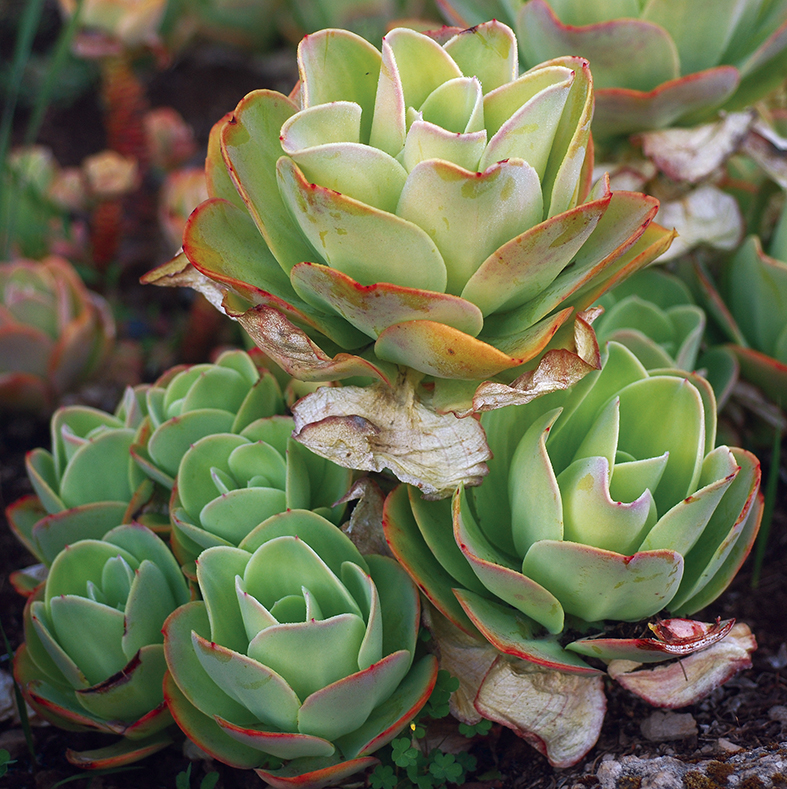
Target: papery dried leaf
column 769, row 150
column 675, row 685
column 379, row 426
column 365, row 527
column 558, row 369
column 693, row 154
column 179, row 273
column 704, row 216
column 559, row 714
column 463, row 656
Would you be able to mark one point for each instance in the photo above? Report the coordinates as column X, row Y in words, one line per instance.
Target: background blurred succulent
column 93, row 656
column 54, row 332
column 301, row 649
column 424, row 208
column 190, row 402
column 655, row 63
column 749, row 301
column 228, row 484
column 88, row 483
column 605, row 503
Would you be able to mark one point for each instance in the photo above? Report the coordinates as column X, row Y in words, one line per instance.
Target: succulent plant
column 750, row 303
column 133, row 23
column 88, row 483
column 605, row 503
column 228, row 484
column 423, row 209
column 54, row 332
column 301, row 649
column 190, row 402
column 93, row 656
column 655, row 62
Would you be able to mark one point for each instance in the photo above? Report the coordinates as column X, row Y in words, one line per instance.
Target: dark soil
column 202, row 87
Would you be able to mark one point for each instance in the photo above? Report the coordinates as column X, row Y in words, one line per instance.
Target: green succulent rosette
column 424, row 207
column 190, row 402
column 93, row 657
column 749, row 302
column 88, row 483
column 301, row 649
column 656, row 63
column 54, row 332
column 228, row 484
column 655, row 316
column 605, row 503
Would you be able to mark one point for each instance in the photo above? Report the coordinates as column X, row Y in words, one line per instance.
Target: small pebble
column 666, row 726
column 727, row 746
column 778, row 713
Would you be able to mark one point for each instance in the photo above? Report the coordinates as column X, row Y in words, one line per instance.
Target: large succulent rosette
column 605, row 503
column 88, row 483
column 301, row 649
column 93, row 656
column 228, row 484
column 655, row 63
column 422, row 209
column 54, row 332
column 188, row 403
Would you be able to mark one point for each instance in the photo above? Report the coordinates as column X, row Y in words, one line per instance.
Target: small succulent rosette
column 188, row 403
column 656, row 63
column 606, row 503
column 54, row 332
column 93, row 657
column 655, row 316
column 301, row 652
column 749, row 302
column 420, row 211
column 87, row 484
column 228, row 484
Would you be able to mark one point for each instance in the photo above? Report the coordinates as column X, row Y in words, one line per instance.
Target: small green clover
column 403, row 753
column 445, row 766
column 383, row 777
column 472, row 729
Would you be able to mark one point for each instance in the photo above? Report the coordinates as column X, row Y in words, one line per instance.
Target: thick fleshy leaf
column 313, row 773
column 258, row 688
column 119, row 754
column 184, row 666
column 282, row 745
column 233, row 515
column 91, row 634
column 337, row 65
column 149, row 603
column 202, row 729
column 344, row 706
column 536, row 505
column 429, row 141
column 488, row 51
column 390, row 717
column 216, row 571
column 45, row 650
column 349, row 234
column 500, row 575
column 519, row 270
column 514, row 634
column 410, row 549
column 622, row 110
column 440, row 350
column 595, row 584
column 399, row 603
column 372, row 308
column 282, row 565
column 88, row 521
column 477, row 212
column 644, row 54
column 250, row 143
column 132, row 692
